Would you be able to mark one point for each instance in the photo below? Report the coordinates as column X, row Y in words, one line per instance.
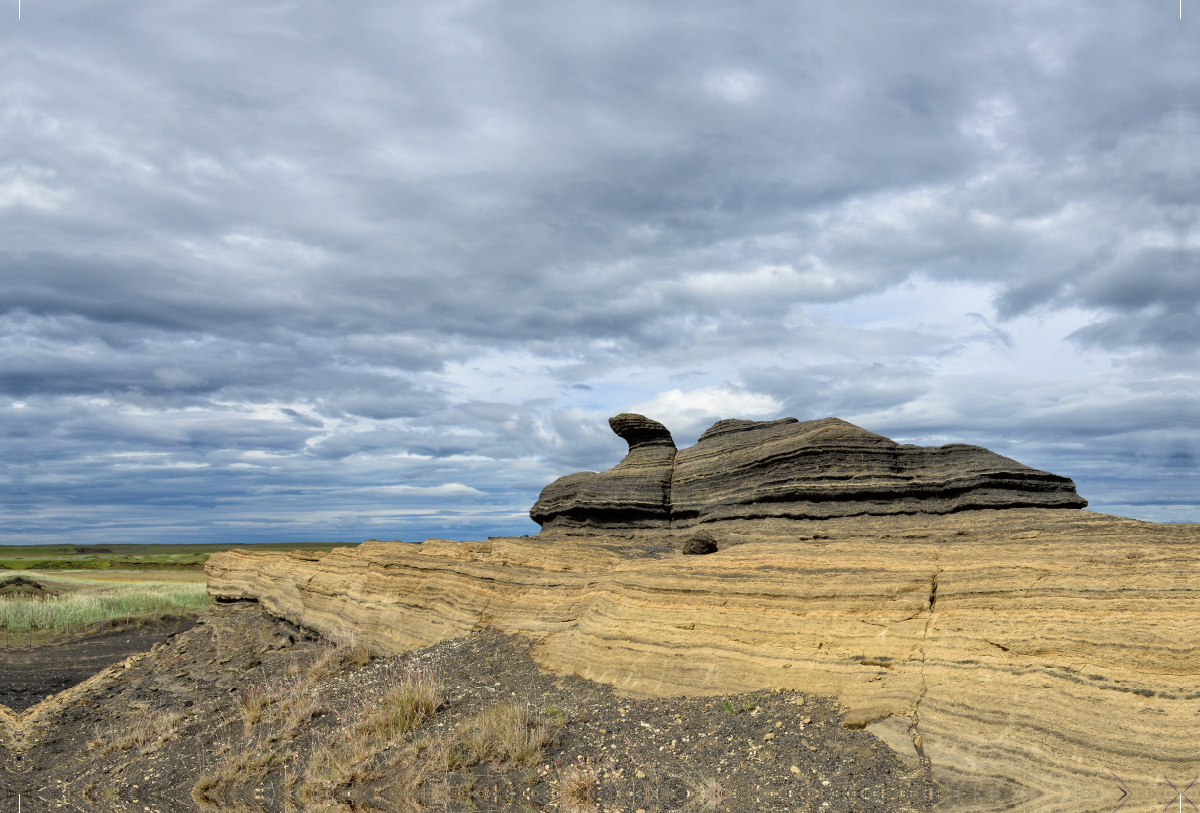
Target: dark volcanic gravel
column 765, row 751
column 28, row 675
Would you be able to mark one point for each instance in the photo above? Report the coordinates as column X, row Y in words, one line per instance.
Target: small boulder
column 700, row 544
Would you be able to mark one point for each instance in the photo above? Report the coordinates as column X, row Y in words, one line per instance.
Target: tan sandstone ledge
column 1028, row 654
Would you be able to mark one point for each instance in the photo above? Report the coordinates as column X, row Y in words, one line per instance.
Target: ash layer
column 788, row 469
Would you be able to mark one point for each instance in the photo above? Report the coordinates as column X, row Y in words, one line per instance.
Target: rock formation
column 1027, row 653
column 788, row 469
column 634, row 494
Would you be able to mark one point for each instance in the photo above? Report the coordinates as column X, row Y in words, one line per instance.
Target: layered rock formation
column 634, row 494
column 1029, row 654
column 788, row 469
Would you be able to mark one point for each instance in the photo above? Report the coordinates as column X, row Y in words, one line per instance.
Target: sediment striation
column 788, row 469
column 634, row 494
column 1028, row 654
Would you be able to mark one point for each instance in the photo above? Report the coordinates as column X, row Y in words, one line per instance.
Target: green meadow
column 77, row 606
column 51, row 591
column 45, row 558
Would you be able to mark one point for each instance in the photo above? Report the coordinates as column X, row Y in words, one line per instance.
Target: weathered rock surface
column 789, row 469
column 634, row 494
column 700, row 544
column 1029, row 654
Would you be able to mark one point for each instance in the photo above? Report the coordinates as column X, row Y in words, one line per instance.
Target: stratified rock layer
column 634, row 494
column 789, row 469
column 1029, row 654
column 831, row 468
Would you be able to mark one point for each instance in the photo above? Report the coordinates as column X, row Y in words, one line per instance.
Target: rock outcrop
column 1026, row 652
column 1029, row 654
column 634, row 494
column 788, row 469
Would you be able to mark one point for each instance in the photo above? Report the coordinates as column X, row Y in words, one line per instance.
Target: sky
column 317, row 271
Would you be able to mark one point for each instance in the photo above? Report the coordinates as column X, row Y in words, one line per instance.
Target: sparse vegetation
column 469, row 724
column 144, row 733
column 707, row 791
column 577, row 785
column 128, row 556
column 506, row 731
column 344, row 650
column 410, row 695
column 79, row 610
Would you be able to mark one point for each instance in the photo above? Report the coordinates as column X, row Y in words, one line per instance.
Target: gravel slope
column 768, row 751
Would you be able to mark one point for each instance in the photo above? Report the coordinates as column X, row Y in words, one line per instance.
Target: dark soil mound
column 28, row 675
column 22, row 587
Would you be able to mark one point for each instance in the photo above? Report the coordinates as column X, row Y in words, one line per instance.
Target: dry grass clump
column 276, row 711
column 253, row 701
column 145, row 732
column 290, row 702
column 577, row 786
column 239, row 767
column 506, row 731
column 707, row 791
column 411, row 695
column 345, row 650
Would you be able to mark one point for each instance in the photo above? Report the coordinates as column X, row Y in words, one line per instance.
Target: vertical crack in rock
column 479, row 624
column 915, row 729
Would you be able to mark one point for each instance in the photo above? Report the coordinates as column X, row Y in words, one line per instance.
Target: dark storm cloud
column 330, row 248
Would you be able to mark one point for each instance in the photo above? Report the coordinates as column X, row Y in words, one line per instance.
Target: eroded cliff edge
column 1027, row 653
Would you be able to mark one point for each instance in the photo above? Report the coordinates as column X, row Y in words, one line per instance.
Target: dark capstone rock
column 699, row 544
column 634, row 494
column 831, row 468
column 789, row 469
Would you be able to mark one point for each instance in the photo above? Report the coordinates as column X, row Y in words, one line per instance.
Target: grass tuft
column 144, row 733
column 75, row 611
column 708, row 792
column 411, row 694
column 578, row 785
column 506, row 731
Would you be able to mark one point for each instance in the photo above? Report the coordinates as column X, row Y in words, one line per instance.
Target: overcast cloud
column 327, row 271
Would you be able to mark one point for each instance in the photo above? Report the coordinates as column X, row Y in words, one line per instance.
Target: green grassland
column 46, row 558
column 51, row 591
column 76, row 606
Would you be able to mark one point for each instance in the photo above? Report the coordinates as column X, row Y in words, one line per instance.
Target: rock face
column 788, row 469
column 634, row 494
column 1029, row 654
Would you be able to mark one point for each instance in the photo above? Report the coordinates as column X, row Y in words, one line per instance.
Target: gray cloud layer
column 302, row 270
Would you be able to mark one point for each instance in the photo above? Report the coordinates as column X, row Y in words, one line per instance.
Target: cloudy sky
column 326, row 271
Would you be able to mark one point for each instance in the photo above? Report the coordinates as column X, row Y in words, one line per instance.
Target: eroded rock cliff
column 1027, row 653
column 788, row 469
